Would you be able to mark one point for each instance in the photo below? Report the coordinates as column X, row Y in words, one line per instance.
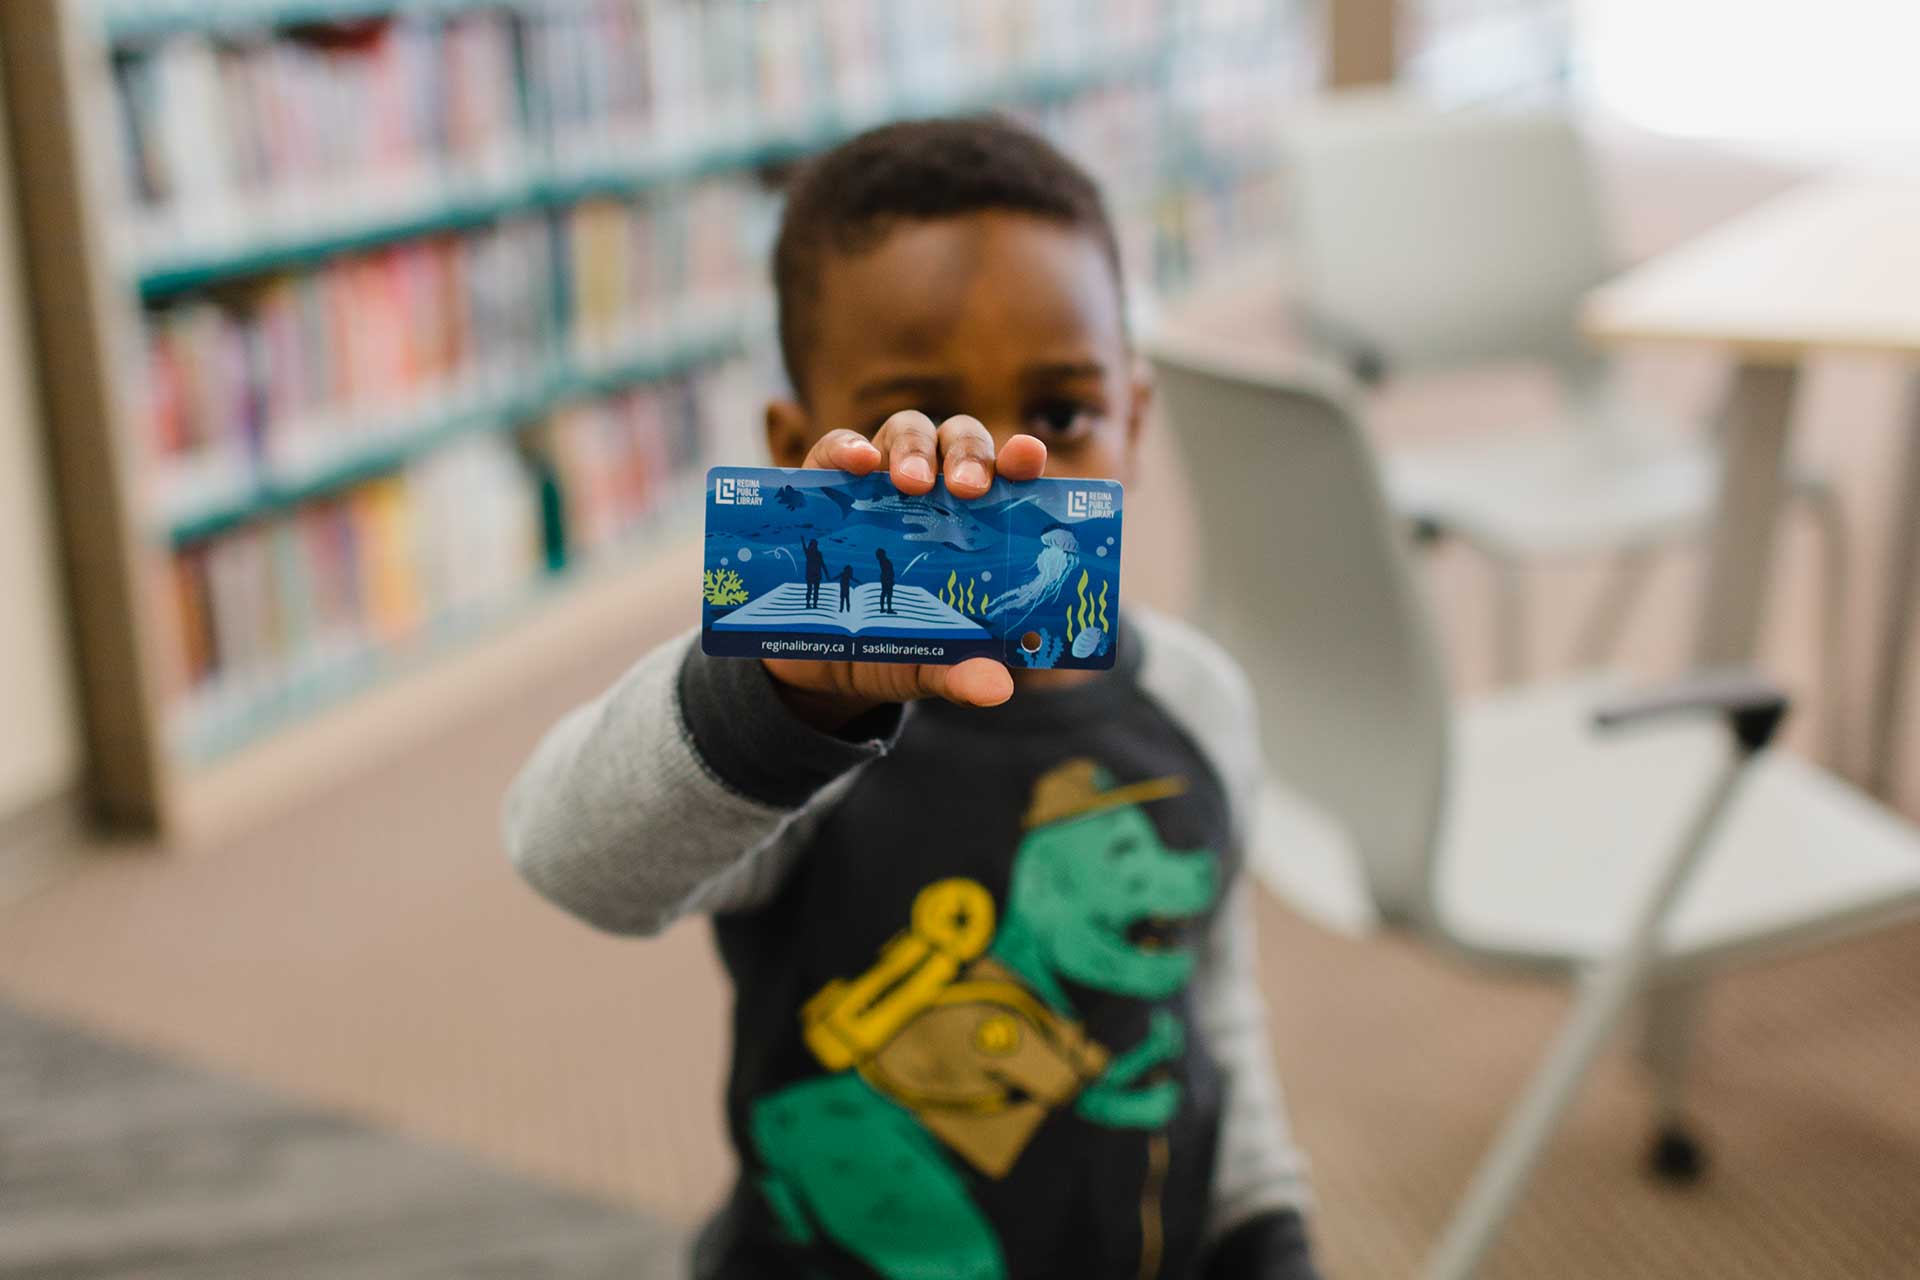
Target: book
column 861, row 610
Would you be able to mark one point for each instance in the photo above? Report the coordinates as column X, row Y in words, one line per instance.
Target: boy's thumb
column 977, row 682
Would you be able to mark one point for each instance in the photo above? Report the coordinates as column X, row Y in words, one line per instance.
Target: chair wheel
column 1676, row 1157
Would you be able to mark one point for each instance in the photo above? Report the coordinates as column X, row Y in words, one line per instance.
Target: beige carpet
column 372, row 951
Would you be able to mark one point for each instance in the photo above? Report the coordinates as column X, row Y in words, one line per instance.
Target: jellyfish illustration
column 1059, row 556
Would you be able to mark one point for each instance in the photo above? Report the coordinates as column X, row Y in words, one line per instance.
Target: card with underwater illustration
column 832, row 566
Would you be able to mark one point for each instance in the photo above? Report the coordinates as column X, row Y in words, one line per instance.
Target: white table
column 1833, row 266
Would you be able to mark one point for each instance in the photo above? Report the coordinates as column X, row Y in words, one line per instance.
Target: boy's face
column 1008, row 318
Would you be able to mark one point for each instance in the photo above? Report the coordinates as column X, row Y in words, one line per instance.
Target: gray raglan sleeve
column 1258, row 1170
column 686, row 787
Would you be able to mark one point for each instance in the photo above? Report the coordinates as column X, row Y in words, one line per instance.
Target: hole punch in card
column 829, row 566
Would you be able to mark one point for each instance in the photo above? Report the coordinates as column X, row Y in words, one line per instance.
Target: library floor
column 372, row 955
column 120, row 1164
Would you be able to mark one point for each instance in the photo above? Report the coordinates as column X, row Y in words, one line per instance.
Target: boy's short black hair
column 847, row 199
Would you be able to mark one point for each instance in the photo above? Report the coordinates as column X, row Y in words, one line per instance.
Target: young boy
column 995, row 1010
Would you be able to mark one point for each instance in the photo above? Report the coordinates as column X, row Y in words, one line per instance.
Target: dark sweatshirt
column 994, row 1005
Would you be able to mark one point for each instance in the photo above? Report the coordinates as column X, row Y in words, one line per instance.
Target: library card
column 827, row 565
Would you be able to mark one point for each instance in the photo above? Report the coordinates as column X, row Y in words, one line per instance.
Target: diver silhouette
column 816, row 571
column 886, row 580
column 846, row 587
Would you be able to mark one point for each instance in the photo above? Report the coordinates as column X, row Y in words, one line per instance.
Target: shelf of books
column 381, row 335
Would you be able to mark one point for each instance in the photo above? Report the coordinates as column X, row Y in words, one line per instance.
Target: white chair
column 1427, row 240
column 1622, row 845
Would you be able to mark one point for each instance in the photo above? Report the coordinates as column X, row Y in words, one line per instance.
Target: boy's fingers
column 966, row 455
column 908, row 443
column 977, row 682
column 844, row 449
column 1022, row 457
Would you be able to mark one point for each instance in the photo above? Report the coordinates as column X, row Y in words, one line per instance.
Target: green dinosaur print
column 1090, row 901
column 874, row 1180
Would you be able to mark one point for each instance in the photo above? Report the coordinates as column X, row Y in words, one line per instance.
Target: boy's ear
column 789, row 432
column 1142, row 379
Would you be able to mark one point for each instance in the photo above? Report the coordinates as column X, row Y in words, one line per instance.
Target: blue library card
column 836, row 567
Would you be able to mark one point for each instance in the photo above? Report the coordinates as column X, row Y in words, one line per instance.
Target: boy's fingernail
column 916, row 468
column 971, row 473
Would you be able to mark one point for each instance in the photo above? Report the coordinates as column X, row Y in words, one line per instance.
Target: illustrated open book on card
column 828, row 565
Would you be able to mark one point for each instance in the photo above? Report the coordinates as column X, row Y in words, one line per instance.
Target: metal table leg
column 1753, row 450
column 1891, row 668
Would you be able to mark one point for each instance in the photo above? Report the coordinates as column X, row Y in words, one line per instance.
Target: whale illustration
column 938, row 519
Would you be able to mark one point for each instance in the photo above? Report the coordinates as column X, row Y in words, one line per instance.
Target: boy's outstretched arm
column 688, row 786
column 684, row 788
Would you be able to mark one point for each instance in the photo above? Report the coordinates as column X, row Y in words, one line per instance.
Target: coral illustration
column 1046, row 655
column 722, row 586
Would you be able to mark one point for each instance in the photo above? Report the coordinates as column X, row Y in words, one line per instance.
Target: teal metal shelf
column 549, row 187
column 565, row 381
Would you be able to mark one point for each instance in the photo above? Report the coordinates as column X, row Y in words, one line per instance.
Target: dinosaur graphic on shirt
column 960, row 1040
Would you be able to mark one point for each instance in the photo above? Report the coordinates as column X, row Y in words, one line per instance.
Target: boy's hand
column 829, row 694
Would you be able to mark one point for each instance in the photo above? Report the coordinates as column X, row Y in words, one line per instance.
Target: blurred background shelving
column 375, row 330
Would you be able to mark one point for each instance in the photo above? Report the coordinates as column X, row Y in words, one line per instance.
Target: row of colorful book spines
column 367, row 567
column 595, row 60
column 281, row 109
column 358, row 332
column 373, row 330
column 593, row 64
column 373, row 565
column 597, row 48
column 200, row 116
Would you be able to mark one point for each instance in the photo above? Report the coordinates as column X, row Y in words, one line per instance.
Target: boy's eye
column 1061, row 418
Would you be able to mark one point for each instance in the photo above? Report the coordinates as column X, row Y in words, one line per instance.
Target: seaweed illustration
column 722, row 586
column 961, row 599
column 1090, row 610
column 1046, row 655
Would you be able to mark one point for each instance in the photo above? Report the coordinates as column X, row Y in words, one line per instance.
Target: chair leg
column 1509, row 622
column 1626, row 578
column 1605, row 992
column 1604, row 997
column 1666, row 1041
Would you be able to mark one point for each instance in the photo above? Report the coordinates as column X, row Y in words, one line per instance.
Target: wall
column 39, row 742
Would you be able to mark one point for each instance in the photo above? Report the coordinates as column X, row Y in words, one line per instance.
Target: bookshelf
column 384, row 341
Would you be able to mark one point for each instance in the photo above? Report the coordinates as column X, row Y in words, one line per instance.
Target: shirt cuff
column 1269, row 1246
column 754, row 743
